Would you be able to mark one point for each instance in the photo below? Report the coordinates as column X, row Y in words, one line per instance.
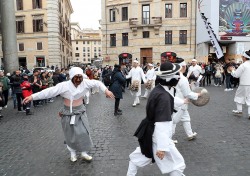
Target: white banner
column 217, row 49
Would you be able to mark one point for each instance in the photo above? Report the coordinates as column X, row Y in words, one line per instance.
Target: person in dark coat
column 117, row 81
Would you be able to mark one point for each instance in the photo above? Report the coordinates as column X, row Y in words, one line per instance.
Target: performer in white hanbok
column 136, row 73
column 155, row 131
column 73, row 115
column 150, row 76
column 194, row 74
column 242, row 95
column 183, row 91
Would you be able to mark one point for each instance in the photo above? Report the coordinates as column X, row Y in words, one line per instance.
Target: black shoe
column 119, row 110
column 29, row 113
column 1, row 116
column 117, row 113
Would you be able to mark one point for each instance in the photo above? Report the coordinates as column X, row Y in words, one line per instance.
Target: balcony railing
column 152, row 22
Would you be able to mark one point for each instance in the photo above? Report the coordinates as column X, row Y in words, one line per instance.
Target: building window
column 89, row 60
column 19, row 4
column 76, row 48
column 83, row 42
column 19, row 26
column 77, row 54
column 145, row 34
column 168, row 37
column 39, row 46
column 84, row 49
column 21, row 47
column 99, row 49
column 124, row 39
column 94, row 42
column 124, row 13
column 112, row 15
column 168, row 11
column 183, row 37
column 40, row 61
column 94, row 49
column 38, row 25
column 145, row 14
column 77, row 42
column 87, row 42
column 112, row 39
column 88, row 54
column 88, row 49
column 84, row 54
column 100, row 55
column 37, row 4
column 183, row 9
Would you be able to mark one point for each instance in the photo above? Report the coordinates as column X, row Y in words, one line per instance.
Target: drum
column 135, row 86
column 148, row 84
column 203, row 99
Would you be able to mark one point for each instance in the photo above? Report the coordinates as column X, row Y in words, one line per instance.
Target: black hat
column 117, row 66
column 179, row 60
column 167, row 69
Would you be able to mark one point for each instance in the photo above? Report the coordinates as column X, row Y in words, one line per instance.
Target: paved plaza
column 34, row 145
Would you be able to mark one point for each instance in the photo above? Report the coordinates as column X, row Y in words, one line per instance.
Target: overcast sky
column 87, row 13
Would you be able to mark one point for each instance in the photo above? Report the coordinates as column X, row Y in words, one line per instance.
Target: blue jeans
column 217, row 81
column 228, row 82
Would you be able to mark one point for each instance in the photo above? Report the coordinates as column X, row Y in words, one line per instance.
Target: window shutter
column 21, row 4
column 34, row 4
column 34, row 25
column 40, row 3
column 16, row 26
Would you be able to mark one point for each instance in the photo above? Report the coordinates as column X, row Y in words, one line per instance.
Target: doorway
column 146, row 55
column 22, row 61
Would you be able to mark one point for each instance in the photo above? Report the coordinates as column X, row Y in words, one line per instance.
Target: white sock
column 72, row 151
column 84, row 154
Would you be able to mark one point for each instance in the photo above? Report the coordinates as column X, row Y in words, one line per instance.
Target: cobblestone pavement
column 33, row 145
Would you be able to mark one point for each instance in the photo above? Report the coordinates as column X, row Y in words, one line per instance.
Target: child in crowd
column 27, row 91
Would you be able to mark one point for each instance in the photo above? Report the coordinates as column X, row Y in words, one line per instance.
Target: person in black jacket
column 117, row 81
column 17, row 80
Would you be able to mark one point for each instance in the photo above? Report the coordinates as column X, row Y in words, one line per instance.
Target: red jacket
column 26, row 88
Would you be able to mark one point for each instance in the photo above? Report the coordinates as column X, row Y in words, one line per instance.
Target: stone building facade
column 43, row 33
column 144, row 29
column 86, row 45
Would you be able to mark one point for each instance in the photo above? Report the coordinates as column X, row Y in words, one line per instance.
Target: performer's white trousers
column 173, row 162
column 73, row 152
column 87, row 97
column 137, row 100
column 184, row 117
column 239, row 108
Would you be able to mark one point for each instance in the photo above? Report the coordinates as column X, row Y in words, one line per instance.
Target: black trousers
column 128, row 81
column 6, row 96
column 19, row 97
column 208, row 78
column 117, row 103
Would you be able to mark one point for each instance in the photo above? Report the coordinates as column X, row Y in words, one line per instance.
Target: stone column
column 9, row 39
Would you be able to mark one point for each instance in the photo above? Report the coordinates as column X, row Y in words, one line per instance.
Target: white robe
column 68, row 90
column 162, row 141
column 183, row 91
column 242, row 95
column 196, row 70
column 136, row 74
column 151, row 76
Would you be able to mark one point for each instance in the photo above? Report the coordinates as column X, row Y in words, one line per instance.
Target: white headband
column 245, row 55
